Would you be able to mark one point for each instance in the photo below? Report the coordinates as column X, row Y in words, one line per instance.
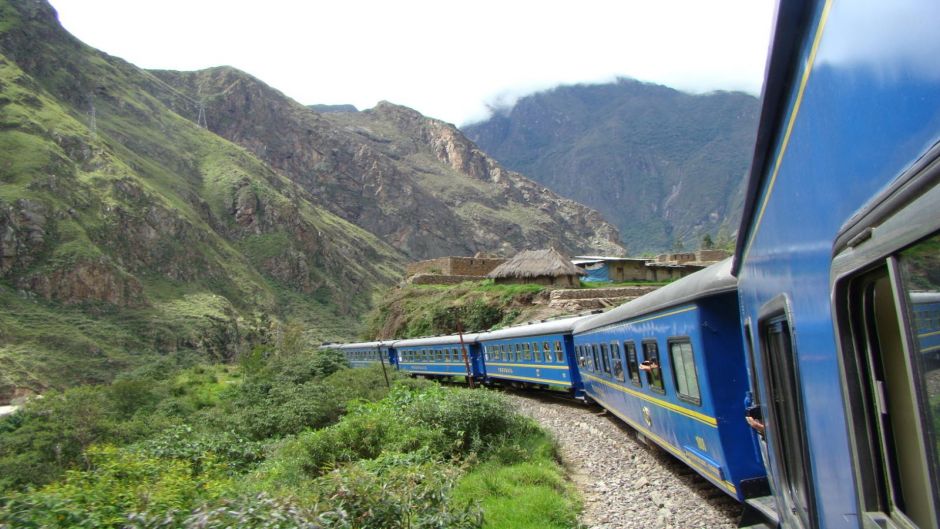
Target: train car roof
column 533, row 329
column 715, row 279
column 438, row 340
column 357, row 345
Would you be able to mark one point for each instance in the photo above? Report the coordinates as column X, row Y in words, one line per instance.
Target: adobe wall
column 473, row 266
column 455, row 266
column 438, row 279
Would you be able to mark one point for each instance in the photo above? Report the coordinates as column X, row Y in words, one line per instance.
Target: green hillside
column 127, row 231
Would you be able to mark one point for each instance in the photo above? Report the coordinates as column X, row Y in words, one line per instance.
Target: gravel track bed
column 624, row 483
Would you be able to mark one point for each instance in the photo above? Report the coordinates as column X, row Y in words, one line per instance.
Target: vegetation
column 424, row 310
column 280, row 440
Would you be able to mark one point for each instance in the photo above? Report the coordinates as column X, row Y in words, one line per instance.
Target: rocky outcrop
column 23, row 233
column 86, row 282
column 415, row 182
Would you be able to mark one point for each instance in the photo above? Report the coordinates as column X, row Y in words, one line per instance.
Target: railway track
column 625, row 483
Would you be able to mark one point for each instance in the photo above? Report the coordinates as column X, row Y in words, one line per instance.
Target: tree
column 707, row 242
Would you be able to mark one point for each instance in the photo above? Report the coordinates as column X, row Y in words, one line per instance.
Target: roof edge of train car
column 715, row 279
column 791, row 25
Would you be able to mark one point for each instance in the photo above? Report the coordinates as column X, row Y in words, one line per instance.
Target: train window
column 582, row 358
column 784, row 425
column 683, row 369
column 616, row 362
column 547, row 349
column 897, row 361
column 604, row 359
column 651, row 364
column 486, row 353
column 559, row 353
column 537, row 353
column 633, row 367
column 596, row 363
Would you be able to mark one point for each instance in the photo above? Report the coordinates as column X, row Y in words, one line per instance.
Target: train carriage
column 440, row 356
column 671, row 365
column 533, row 355
column 839, row 247
column 362, row 354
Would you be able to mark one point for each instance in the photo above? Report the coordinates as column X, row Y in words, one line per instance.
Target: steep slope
column 416, row 182
column 128, row 231
column 662, row 165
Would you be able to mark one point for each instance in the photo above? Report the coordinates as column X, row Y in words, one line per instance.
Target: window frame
column 661, row 388
column 616, row 360
column 681, row 340
column 633, row 368
column 900, row 217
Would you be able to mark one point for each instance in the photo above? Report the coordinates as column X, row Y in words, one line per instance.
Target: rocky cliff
column 664, row 166
column 415, row 182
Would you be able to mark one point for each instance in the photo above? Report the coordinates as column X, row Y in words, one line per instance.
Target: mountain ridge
column 666, row 167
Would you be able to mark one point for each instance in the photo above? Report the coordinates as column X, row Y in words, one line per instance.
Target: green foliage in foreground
column 181, row 453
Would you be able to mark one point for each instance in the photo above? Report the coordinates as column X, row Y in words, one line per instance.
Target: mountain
column 665, row 167
column 127, row 231
column 155, row 215
column 417, row 183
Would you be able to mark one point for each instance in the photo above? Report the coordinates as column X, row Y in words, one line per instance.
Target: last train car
column 533, row 355
column 838, row 261
column 440, row 356
column 363, row 354
column 671, row 365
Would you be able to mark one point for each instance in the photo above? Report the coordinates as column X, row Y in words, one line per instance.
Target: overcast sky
column 447, row 59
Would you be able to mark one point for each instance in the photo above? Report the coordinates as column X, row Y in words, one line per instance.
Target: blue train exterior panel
column 440, row 356
column 851, row 117
column 538, row 354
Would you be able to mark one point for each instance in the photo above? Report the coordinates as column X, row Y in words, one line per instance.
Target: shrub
column 119, row 482
column 394, row 492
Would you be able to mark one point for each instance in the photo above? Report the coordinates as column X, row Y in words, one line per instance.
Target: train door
column 784, row 418
column 886, row 287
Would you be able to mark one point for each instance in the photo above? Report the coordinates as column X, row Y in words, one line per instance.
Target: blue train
column 804, row 377
column 689, row 400
column 837, row 266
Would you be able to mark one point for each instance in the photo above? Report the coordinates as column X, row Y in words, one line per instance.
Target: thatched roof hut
column 545, row 267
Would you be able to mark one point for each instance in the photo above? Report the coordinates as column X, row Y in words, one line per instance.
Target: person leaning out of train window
column 649, row 365
column 753, row 414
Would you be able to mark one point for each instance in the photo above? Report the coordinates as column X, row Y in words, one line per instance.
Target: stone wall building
column 455, row 266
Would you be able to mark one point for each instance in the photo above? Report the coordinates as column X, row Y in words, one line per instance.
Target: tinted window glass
column 683, row 365
column 633, row 366
column 616, row 362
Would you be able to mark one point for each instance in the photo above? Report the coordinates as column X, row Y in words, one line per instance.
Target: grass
column 531, row 494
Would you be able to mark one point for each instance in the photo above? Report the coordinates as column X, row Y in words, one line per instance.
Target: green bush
column 394, row 492
column 118, row 483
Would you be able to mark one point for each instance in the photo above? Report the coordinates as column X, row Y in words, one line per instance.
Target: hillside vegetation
column 412, row 311
column 127, row 231
column 286, row 439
